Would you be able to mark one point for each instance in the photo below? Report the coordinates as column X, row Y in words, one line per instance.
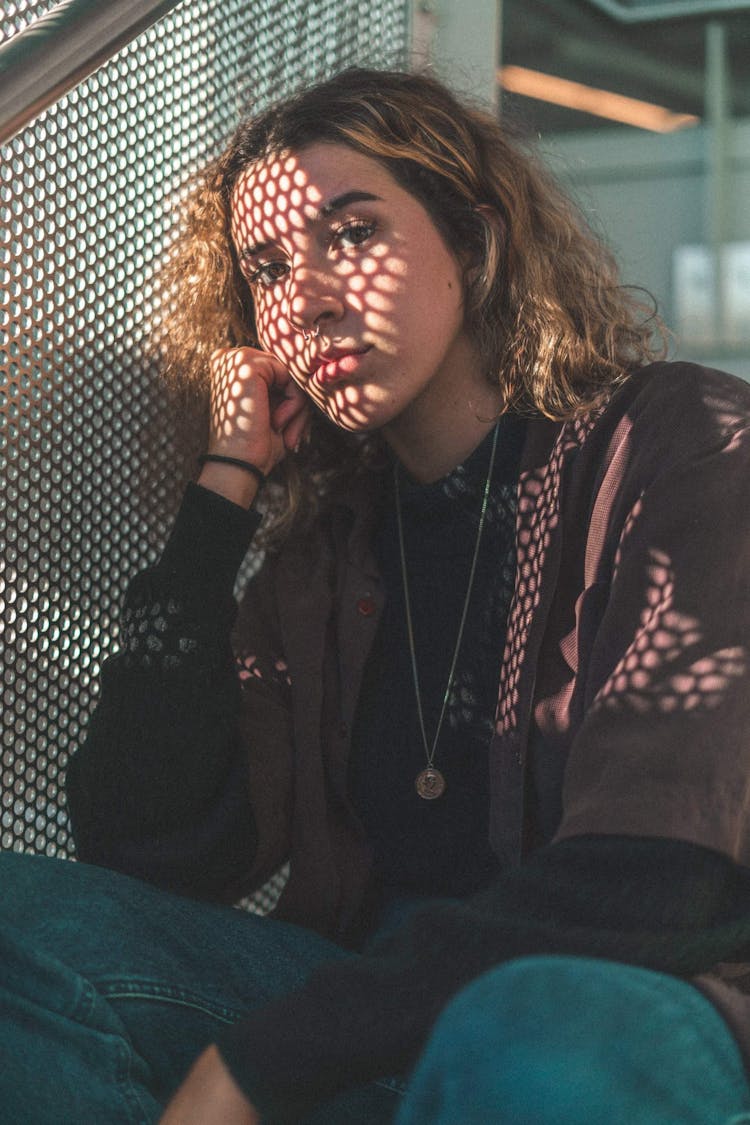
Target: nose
column 314, row 300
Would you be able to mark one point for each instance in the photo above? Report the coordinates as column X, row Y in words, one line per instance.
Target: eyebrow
column 253, row 250
column 344, row 200
column 325, row 212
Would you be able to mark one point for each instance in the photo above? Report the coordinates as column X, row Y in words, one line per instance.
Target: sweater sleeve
column 661, row 904
column 158, row 788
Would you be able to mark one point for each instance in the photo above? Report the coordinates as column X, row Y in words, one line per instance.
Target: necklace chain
column 430, row 782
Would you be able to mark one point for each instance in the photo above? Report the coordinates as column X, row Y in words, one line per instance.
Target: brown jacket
column 623, row 701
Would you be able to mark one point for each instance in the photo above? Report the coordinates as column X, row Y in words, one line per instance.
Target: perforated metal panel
column 15, row 17
column 86, row 493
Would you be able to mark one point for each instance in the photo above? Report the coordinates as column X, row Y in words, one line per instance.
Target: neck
column 433, row 457
column 439, row 432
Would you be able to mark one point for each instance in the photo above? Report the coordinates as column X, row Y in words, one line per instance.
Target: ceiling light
column 588, row 99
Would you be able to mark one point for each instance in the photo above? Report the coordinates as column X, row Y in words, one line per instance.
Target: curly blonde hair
column 543, row 296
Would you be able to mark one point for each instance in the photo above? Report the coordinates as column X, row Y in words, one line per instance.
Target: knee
column 532, row 1040
column 562, row 1040
column 523, row 1001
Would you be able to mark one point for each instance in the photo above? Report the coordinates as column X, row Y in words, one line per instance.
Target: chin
column 357, row 427
column 357, row 420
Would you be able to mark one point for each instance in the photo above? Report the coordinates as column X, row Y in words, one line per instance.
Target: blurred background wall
column 643, row 108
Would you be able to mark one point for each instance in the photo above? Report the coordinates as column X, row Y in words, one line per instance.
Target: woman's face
column 336, row 251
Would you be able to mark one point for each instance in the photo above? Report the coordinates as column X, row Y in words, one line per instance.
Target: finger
column 270, row 369
column 243, row 364
column 283, row 412
column 243, row 353
column 296, row 430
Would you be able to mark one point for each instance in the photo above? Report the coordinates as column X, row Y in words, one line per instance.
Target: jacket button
column 366, row 606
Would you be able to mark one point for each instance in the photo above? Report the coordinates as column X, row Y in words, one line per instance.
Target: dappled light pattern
column 234, row 407
column 657, row 672
column 538, row 515
column 324, row 283
column 257, row 410
column 250, row 667
column 666, row 668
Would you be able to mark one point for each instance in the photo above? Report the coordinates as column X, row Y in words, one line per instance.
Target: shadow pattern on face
column 327, row 286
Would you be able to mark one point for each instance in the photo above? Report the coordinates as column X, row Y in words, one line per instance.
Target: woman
column 481, row 477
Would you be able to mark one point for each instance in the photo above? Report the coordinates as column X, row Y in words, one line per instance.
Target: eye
column 268, row 273
column 354, row 232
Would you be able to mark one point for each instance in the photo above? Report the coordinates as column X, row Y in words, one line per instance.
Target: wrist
column 230, row 481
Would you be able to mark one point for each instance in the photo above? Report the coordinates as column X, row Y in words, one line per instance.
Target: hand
column 209, row 1096
column 258, row 413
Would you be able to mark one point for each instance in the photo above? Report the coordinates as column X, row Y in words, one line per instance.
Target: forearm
column 160, row 770
column 209, row 1096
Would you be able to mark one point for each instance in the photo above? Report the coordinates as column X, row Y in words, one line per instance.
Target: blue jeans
column 571, row 1041
column 109, row 989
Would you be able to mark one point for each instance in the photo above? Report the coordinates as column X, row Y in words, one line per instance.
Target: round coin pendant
column 430, row 784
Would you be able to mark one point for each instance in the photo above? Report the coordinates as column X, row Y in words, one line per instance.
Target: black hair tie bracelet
column 248, row 466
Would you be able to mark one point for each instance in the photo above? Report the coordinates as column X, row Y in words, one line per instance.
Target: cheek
column 267, row 319
column 274, row 331
column 276, row 335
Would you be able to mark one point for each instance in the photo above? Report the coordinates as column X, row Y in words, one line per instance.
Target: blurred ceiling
column 660, row 62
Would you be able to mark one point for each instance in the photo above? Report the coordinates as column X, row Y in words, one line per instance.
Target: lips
column 337, row 364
